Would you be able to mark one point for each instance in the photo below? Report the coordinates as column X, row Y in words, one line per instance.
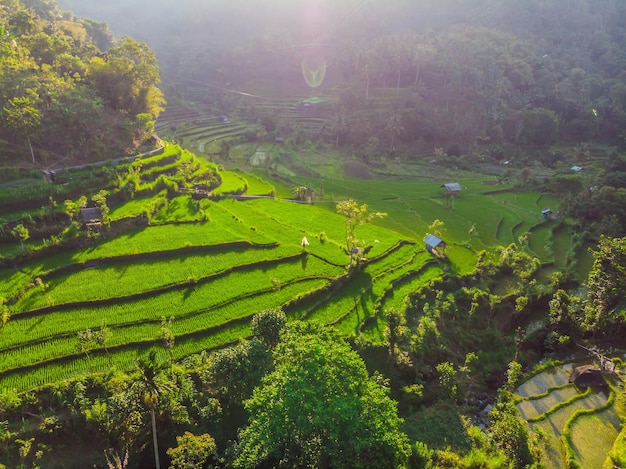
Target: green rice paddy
column 547, row 401
column 212, row 265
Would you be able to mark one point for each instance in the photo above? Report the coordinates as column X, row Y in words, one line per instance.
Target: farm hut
column 546, row 213
column 587, row 375
column 279, row 139
column 452, row 188
column 577, row 169
column 432, row 243
column 91, row 216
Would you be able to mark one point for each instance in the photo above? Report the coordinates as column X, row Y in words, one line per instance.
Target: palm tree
column 394, row 126
column 150, row 385
column 338, row 127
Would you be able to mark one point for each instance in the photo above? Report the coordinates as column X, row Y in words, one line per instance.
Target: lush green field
column 583, row 423
column 208, row 265
column 212, row 265
column 482, row 216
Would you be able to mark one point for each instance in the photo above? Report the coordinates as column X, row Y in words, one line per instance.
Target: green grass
column 258, row 186
column 132, row 208
column 124, row 278
column 179, row 209
column 232, row 182
column 539, row 384
column 587, row 422
column 212, row 265
column 593, row 436
column 400, row 292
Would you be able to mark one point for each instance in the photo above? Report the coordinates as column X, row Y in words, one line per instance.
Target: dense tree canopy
column 320, row 408
column 65, row 91
column 531, row 73
column 606, row 308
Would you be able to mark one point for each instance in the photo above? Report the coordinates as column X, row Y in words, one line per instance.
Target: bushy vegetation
column 69, row 89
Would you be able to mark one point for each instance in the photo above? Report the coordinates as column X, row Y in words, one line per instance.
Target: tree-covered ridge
column 533, row 72
column 67, row 90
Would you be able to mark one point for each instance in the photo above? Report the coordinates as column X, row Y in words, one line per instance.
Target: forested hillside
column 68, row 91
column 530, row 72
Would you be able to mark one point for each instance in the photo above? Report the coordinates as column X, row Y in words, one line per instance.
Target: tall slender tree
column 150, row 385
column 23, row 118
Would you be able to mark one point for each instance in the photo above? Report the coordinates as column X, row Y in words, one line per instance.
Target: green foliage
column 21, row 233
column 234, row 372
column 396, row 328
column 346, row 419
column 604, row 310
column 267, row 324
column 421, row 456
column 356, row 215
column 192, row 451
column 509, row 432
column 617, row 456
column 447, row 378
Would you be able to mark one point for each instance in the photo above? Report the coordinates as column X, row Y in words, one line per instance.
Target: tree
column 438, row 228
column 509, row 432
column 167, row 334
column 395, row 128
column 356, row 215
column 235, row 371
column 192, row 451
column 320, row 408
column 100, row 199
column 267, row 324
column 127, row 77
column 396, row 328
column 5, row 313
column 338, row 127
column 20, row 232
column 23, row 118
column 605, row 310
column 447, row 378
column 101, row 337
column 85, row 340
column 71, row 209
column 150, row 385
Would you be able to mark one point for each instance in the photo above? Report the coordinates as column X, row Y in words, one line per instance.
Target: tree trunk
column 32, row 153
column 157, row 464
column 417, row 77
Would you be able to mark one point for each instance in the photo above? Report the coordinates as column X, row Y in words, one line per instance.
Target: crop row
column 171, row 303
column 285, row 233
column 123, row 279
column 231, row 183
column 166, row 237
column 209, row 127
column 395, row 299
column 220, row 323
column 141, row 241
column 150, row 330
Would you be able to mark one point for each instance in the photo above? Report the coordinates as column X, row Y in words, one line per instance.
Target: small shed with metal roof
column 433, row 242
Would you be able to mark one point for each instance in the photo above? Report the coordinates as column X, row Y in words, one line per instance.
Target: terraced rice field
column 481, row 217
column 208, row 265
column 212, row 265
column 584, row 423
